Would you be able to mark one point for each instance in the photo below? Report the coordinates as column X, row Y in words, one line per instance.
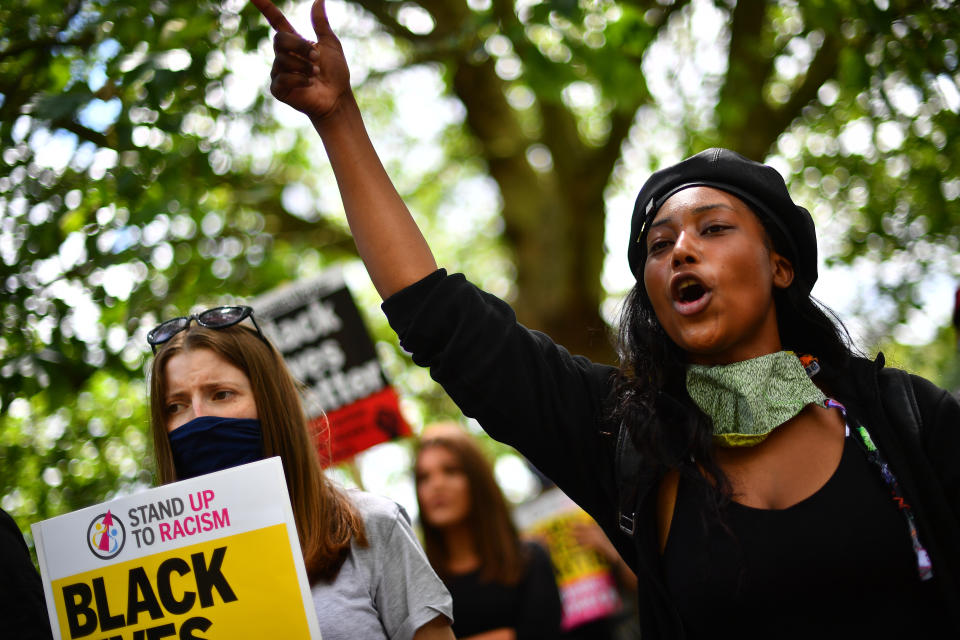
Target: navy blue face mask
column 209, row 443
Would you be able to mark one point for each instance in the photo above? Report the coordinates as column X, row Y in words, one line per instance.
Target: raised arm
column 314, row 79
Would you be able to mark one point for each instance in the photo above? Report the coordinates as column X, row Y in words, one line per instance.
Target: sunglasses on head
column 215, row 318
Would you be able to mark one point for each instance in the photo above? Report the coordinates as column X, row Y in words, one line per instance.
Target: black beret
column 760, row 186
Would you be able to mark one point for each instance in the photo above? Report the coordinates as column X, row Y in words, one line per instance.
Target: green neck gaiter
column 747, row 400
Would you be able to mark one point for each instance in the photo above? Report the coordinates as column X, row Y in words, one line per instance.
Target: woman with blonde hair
column 221, row 396
column 502, row 588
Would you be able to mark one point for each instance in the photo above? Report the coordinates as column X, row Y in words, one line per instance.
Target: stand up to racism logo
column 106, row 536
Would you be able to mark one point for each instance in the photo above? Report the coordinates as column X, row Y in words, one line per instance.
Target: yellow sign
column 213, row 557
column 201, row 591
column 586, row 583
column 571, row 561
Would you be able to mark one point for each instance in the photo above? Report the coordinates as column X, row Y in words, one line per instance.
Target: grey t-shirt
column 385, row 591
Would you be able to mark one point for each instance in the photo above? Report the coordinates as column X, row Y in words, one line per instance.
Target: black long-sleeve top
column 553, row 407
column 531, row 607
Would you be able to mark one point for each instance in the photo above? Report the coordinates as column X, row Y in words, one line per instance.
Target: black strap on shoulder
column 900, row 400
column 627, row 468
column 635, row 476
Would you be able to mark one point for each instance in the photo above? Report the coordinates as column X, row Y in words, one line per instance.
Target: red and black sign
column 318, row 329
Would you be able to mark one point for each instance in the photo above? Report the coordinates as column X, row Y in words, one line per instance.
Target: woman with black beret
column 759, row 477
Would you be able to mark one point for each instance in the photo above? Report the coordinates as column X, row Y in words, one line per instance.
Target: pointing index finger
column 273, row 15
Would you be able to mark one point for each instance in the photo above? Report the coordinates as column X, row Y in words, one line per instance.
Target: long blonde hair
column 326, row 519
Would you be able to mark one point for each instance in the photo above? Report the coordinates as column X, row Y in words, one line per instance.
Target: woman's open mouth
column 690, row 295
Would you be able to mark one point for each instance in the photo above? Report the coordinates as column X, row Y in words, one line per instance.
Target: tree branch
column 665, row 11
column 822, row 68
column 607, row 155
column 506, row 15
column 84, row 133
column 379, row 10
column 742, row 107
column 84, row 39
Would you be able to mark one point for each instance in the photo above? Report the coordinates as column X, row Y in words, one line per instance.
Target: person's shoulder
column 860, row 377
column 7, row 522
column 9, row 531
column 923, row 389
column 536, row 552
column 379, row 514
column 539, row 570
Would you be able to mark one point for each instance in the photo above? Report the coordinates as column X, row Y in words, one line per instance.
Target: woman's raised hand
column 314, row 79
column 310, row 77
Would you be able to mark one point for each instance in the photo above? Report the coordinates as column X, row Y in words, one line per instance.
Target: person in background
column 623, row 624
column 590, row 536
column 502, row 588
column 221, row 396
column 567, row 535
column 23, row 607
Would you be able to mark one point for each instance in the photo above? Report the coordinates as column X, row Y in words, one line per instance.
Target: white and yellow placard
column 213, row 557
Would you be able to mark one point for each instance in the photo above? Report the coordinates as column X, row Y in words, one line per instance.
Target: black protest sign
column 317, row 327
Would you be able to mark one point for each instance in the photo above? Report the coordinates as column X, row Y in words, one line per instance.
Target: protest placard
column 215, row 556
column 317, row 327
column 585, row 580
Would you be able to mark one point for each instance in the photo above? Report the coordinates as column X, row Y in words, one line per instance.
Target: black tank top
column 839, row 562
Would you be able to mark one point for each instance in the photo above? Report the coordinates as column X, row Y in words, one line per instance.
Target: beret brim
column 759, row 186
